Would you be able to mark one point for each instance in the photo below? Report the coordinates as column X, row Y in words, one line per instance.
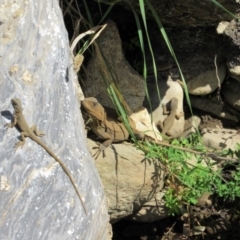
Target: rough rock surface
column 207, row 81
column 231, row 93
column 232, row 48
column 129, row 82
column 190, row 126
column 37, row 199
column 214, row 107
column 129, row 181
column 221, row 138
column 189, row 13
column 208, row 121
column 151, row 211
column 195, row 48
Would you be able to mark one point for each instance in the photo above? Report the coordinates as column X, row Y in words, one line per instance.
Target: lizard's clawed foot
column 8, row 125
column 17, row 145
column 96, row 155
column 101, row 148
column 40, row 134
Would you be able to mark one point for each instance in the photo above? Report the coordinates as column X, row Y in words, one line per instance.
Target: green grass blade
column 106, row 13
column 140, row 36
column 142, row 10
column 90, row 20
column 224, row 9
column 162, row 30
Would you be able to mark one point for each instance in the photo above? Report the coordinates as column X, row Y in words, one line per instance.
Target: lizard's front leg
column 23, row 134
column 22, row 142
column 178, row 116
column 12, row 124
column 165, row 111
column 102, row 146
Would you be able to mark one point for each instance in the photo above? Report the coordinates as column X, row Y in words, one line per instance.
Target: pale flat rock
column 207, row 81
column 128, row 180
column 169, row 89
column 231, row 93
column 220, row 138
column 38, row 200
column 221, row 27
column 144, row 124
column 128, row 81
column 234, row 72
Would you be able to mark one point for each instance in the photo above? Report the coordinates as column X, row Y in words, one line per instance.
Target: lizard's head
column 94, row 108
column 16, row 103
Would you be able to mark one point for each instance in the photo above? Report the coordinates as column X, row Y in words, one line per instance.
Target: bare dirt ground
column 220, row 221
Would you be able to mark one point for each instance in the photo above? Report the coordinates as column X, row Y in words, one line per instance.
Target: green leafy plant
column 172, row 202
column 188, row 180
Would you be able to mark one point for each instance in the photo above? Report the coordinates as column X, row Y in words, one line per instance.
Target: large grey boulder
column 37, row 199
column 186, row 13
column 128, row 81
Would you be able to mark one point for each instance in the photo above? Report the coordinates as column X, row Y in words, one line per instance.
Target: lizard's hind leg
column 37, row 131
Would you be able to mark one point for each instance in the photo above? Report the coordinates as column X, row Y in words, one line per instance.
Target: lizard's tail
column 52, row 154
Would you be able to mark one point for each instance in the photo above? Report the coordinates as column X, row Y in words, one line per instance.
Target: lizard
column 33, row 133
column 107, row 128
column 169, row 120
column 112, row 130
